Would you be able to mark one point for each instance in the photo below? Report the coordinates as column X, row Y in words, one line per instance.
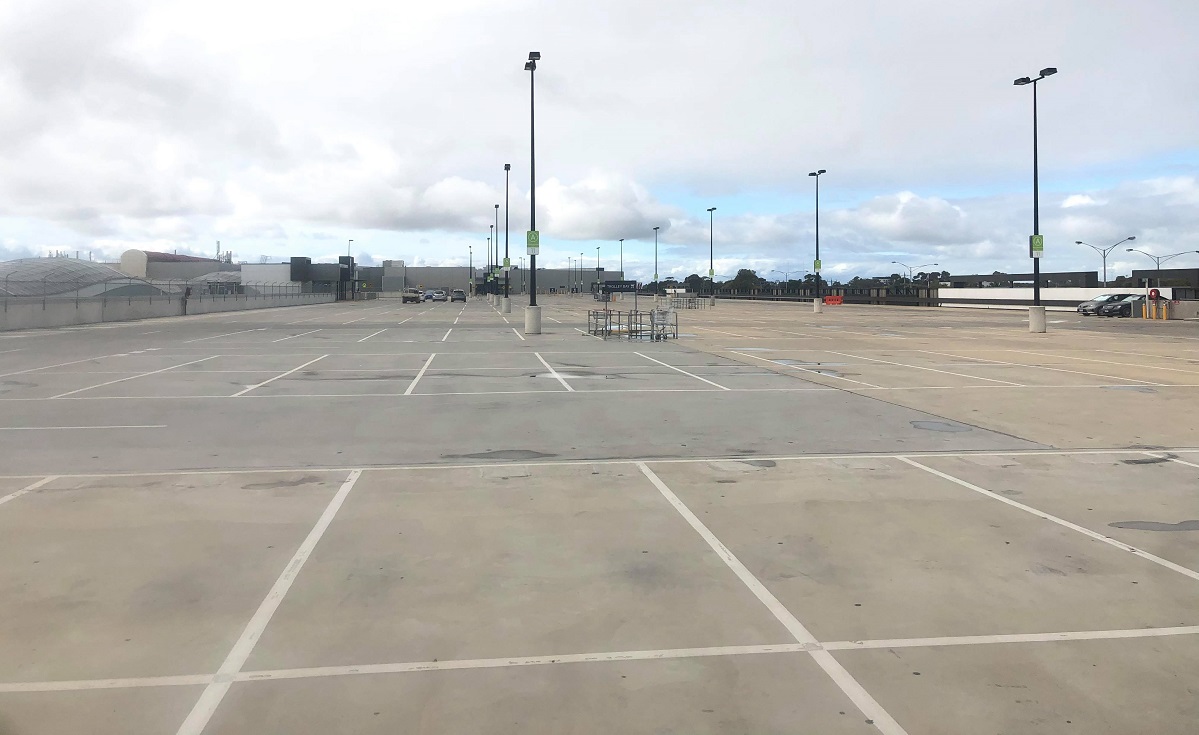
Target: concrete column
column 817, row 306
column 1036, row 319
column 506, row 305
column 532, row 320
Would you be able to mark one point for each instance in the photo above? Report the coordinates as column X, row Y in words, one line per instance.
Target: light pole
column 786, row 277
column 1159, row 259
column 507, row 303
column 816, row 305
column 597, row 267
column 1103, row 253
column 655, row 262
column 494, row 245
column 711, row 250
column 533, row 314
column 522, row 275
column 470, row 255
column 348, row 244
column 570, row 274
column 1036, row 187
column 911, row 267
column 622, row 257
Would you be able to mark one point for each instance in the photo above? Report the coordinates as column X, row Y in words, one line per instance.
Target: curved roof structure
column 51, row 276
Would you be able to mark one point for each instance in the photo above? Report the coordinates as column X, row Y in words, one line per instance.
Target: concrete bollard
column 506, row 305
column 817, row 306
column 532, row 320
column 1036, row 319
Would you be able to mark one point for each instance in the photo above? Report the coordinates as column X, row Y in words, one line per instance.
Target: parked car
column 439, row 295
column 1123, row 307
column 428, row 295
column 458, row 295
column 1092, row 306
column 412, row 295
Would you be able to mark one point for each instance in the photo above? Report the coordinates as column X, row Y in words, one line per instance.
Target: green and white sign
column 816, row 265
column 1036, row 245
column 507, row 262
column 533, row 241
column 711, row 273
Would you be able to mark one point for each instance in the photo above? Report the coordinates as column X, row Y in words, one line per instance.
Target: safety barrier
column 834, row 300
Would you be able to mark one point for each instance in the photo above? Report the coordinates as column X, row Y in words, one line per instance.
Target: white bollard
column 1036, row 319
column 506, row 305
column 532, row 320
column 817, row 306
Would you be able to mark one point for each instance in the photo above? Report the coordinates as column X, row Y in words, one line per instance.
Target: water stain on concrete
column 1134, row 388
column 943, row 426
column 759, row 462
column 305, row 480
column 1157, row 526
column 1146, row 460
column 502, row 454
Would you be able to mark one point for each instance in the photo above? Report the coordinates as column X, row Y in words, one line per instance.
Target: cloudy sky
column 289, row 128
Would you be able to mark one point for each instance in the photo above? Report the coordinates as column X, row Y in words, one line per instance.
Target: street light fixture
column 711, row 261
column 655, row 261
column 348, row 244
column 470, row 255
column 1159, row 259
column 1036, row 185
column 816, row 265
column 532, row 321
column 1103, row 252
column 507, row 276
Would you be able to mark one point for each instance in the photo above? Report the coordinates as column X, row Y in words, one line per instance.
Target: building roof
column 50, row 276
column 153, row 257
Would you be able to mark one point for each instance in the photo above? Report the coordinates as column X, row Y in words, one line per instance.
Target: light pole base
column 532, row 320
column 1036, row 319
column 506, row 305
column 817, row 306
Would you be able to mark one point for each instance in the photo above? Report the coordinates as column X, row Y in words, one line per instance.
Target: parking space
column 381, row 518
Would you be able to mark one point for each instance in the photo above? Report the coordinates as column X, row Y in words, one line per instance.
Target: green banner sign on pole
column 1036, row 246
column 816, row 265
column 532, row 241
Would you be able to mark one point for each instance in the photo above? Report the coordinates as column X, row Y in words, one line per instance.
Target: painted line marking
column 301, row 334
column 456, row 318
column 277, row 377
column 1060, row 521
column 518, row 334
column 134, row 377
column 447, row 334
column 419, row 375
column 1046, row 367
column 1173, row 459
column 61, row 364
column 684, row 372
column 27, row 489
column 1108, row 362
column 922, row 367
column 976, row 640
column 554, row 372
column 806, row 370
column 840, row 676
column 218, row 336
column 381, row 331
column 553, row 320
column 80, row 428
column 207, row 705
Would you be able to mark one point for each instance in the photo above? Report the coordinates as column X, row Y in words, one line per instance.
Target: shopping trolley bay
column 380, row 517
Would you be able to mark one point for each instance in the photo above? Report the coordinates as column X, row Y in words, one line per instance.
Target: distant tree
column 694, row 283
column 747, row 280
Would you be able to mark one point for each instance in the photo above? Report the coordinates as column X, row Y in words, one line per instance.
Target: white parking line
column 684, row 372
column 833, row 668
column 301, row 334
column 1046, row 367
column 1060, row 521
column 381, row 331
column 806, row 370
column 133, row 377
column 202, row 712
column 447, row 334
column 922, row 367
column 230, row 334
column 81, row 428
column 554, row 372
column 271, row 380
column 419, row 375
column 61, row 364
column 518, row 334
column 27, row 489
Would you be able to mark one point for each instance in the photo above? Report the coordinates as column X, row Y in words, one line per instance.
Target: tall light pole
column 580, row 274
column 655, row 261
column 492, row 246
column 711, row 251
column 1159, row 259
column 1035, row 244
column 507, row 307
column 470, row 254
column 348, row 244
column 532, row 323
column 816, row 266
column 622, row 257
column 1103, row 253
column 911, row 267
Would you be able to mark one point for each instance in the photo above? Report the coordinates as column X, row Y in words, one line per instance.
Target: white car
column 440, row 295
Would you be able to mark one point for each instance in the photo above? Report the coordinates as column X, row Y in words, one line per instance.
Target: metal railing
column 656, row 325
column 138, row 289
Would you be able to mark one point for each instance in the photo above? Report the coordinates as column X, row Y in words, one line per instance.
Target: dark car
column 1123, row 307
column 428, row 295
column 1092, row 306
column 458, row 295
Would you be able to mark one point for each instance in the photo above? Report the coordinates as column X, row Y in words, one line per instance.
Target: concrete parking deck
column 381, row 518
